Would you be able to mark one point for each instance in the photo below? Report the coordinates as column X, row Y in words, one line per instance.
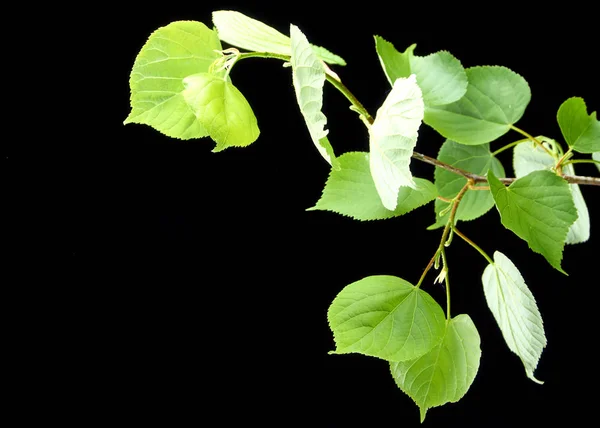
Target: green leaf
column 515, row 311
column 248, row 33
column 596, row 157
column 440, row 76
column 393, row 137
column 496, row 99
column 394, row 63
column 308, row 77
column 385, row 317
column 171, row 53
column 351, row 191
column 328, row 56
column 581, row 132
column 539, row 209
column 476, row 159
column 527, row 158
column 444, row 374
column 221, row 109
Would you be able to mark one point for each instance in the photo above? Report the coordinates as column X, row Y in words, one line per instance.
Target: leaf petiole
column 474, row 245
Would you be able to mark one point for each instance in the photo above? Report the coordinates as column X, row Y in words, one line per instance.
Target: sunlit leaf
column 221, row 109
column 386, row 317
column 171, row 54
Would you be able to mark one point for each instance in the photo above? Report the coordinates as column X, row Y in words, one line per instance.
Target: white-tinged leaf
column 392, row 139
column 248, row 33
column 596, row 157
column 515, row 311
column 527, row 158
column 308, row 77
column 444, row 374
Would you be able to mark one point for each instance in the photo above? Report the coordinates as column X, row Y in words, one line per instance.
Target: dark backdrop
column 200, row 285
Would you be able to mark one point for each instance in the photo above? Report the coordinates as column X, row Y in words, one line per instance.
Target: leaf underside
column 515, row 311
column 392, row 138
column 308, row 77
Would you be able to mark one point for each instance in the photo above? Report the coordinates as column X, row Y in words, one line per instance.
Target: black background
column 193, row 286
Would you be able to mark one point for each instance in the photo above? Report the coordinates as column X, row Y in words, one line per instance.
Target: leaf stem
column 532, row 138
column 271, row 55
column 508, row 146
column 474, row 245
column 447, row 281
column 350, row 96
column 581, row 161
column 455, row 201
column 564, row 157
column 367, row 118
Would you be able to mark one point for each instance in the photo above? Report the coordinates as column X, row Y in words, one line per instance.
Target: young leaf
column 515, row 311
column 444, row 374
column 351, row 191
column 496, row 98
column 440, row 76
column 385, row 317
column 581, row 132
column 539, row 209
column 596, row 157
column 476, row 159
column 308, row 77
column 393, row 137
column 248, row 33
column 221, row 109
column 171, row 53
column 528, row 158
